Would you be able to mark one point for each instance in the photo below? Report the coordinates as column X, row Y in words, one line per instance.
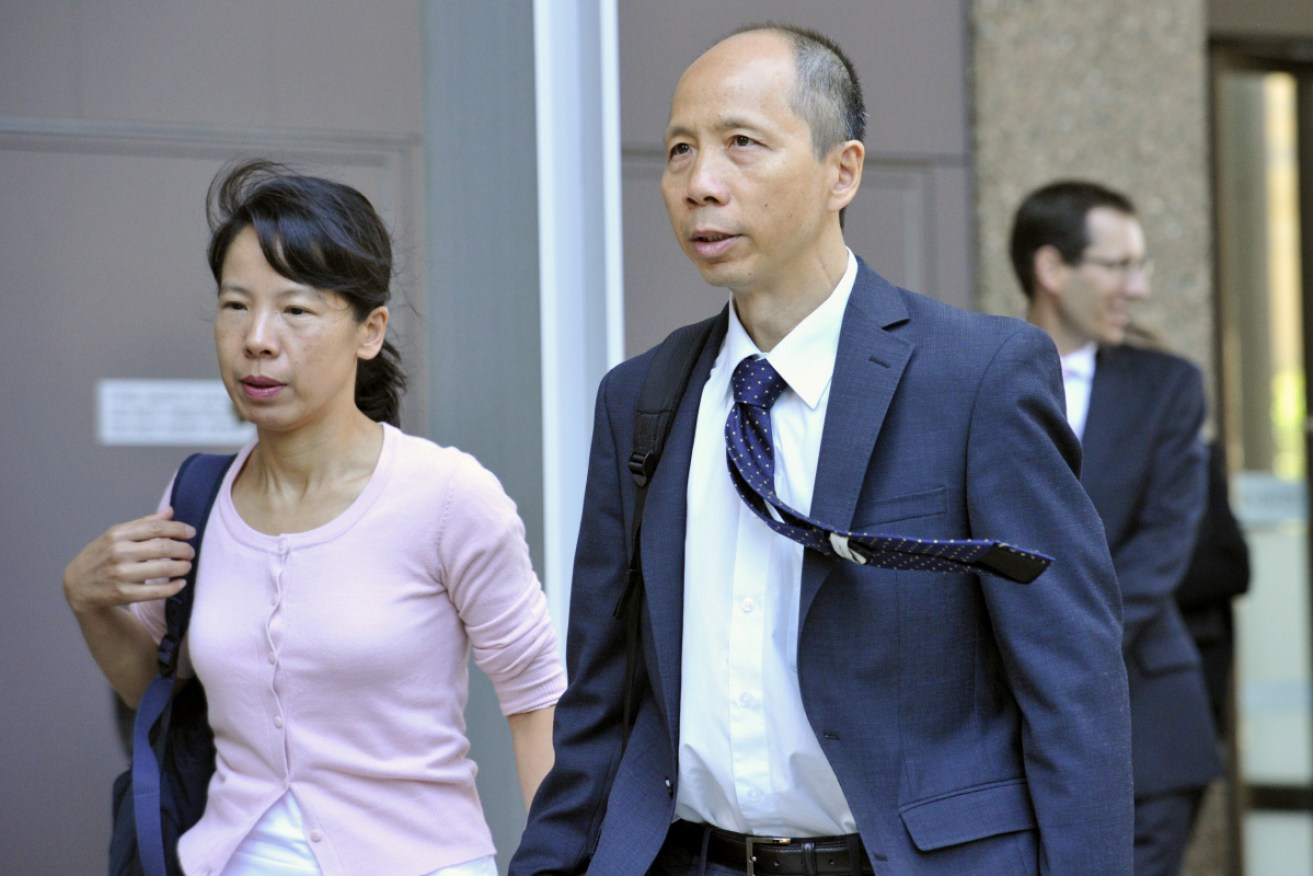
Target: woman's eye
column 297, row 311
column 742, row 140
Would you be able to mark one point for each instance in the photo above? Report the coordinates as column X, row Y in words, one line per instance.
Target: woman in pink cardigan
column 348, row 570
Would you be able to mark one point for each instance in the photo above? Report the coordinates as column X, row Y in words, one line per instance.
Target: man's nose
column 1137, row 285
column 706, row 181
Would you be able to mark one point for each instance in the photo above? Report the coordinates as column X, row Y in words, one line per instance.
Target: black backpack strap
column 194, row 490
column 658, row 400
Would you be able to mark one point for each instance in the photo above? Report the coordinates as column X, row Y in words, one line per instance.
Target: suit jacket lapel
column 867, row 370
column 664, row 522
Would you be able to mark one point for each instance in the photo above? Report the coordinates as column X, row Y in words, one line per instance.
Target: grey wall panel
column 484, row 323
column 102, row 252
column 910, row 58
column 241, row 63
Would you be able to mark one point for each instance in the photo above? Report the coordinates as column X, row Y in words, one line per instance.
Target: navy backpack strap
column 194, row 490
column 658, row 399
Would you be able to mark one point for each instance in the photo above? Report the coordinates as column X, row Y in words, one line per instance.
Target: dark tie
column 751, row 459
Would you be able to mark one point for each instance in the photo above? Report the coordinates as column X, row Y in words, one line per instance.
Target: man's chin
column 718, row 274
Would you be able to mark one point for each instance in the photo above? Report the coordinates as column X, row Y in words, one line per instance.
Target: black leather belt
column 776, row 856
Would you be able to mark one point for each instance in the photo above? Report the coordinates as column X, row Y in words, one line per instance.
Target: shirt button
column 754, row 795
column 745, row 699
column 273, row 658
column 284, row 545
column 278, row 720
column 749, row 606
column 315, row 836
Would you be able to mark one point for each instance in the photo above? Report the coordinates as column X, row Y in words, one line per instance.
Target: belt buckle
column 750, row 842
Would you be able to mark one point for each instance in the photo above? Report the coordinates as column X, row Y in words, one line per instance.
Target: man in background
column 1079, row 254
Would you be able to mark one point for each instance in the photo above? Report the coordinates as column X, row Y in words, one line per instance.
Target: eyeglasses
column 1123, row 268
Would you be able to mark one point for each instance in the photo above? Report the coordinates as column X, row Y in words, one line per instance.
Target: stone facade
column 1115, row 92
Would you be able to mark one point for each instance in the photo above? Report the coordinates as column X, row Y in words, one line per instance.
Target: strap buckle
column 750, row 842
column 641, row 466
column 166, row 657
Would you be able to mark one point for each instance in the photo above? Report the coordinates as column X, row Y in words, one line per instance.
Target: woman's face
column 287, row 352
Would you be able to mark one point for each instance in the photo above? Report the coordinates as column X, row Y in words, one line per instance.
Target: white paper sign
column 168, row 413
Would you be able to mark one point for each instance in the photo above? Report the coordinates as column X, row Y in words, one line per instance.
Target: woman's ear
column 372, row 332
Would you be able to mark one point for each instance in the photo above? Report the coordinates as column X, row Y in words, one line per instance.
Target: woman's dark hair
column 320, row 233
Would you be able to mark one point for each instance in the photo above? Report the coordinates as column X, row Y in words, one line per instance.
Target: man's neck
column 1065, row 341
column 769, row 313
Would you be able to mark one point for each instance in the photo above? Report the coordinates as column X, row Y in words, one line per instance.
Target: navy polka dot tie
column 757, row 386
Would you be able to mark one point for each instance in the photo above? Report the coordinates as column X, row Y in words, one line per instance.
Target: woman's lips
column 261, row 388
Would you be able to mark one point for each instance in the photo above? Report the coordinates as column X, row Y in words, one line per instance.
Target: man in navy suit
column 1079, row 252
column 799, row 712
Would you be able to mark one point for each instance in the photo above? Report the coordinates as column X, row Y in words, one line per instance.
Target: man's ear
column 372, row 332
column 848, row 159
column 1050, row 269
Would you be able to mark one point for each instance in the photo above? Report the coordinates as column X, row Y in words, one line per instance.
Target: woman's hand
column 113, row 569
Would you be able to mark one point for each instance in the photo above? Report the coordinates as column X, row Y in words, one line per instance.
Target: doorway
column 1263, row 153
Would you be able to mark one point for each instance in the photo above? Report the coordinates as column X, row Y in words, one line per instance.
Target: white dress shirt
column 748, row 759
column 1078, row 381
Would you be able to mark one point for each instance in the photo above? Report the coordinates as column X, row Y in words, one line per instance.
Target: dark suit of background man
column 925, row 723
column 1079, row 252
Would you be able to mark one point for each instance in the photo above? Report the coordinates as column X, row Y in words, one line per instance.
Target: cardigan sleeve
column 485, row 566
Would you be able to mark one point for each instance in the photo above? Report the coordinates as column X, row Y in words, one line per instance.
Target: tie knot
column 757, row 383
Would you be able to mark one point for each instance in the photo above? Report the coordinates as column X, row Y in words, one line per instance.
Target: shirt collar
column 1079, row 363
column 805, row 356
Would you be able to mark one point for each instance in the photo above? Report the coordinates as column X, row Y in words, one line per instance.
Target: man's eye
column 297, row 311
column 679, row 149
column 742, row 140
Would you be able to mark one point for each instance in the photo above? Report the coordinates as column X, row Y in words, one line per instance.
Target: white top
column 1078, row 380
column 276, row 846
column 748, row 759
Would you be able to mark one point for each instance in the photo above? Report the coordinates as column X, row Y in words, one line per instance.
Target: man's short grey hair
column 827, row 93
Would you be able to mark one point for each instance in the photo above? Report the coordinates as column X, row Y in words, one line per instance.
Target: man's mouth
column 710, row 244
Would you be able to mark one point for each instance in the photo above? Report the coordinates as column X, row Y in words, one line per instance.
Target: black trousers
column 1162, row 831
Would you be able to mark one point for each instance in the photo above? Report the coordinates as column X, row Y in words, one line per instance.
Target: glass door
column 1262, row 139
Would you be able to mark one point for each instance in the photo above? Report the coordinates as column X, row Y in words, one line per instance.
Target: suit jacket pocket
column 1161, row 654
column 890, row 509
column 968, row 815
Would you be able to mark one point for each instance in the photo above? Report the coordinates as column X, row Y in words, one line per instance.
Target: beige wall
column 1113, row 91
column 1116, row 92
column 1260, row 18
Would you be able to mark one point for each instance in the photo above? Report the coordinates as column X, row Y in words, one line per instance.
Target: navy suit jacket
column 1145, row 469
column 976, row 726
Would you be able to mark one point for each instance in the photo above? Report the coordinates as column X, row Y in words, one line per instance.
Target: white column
column 579, row 246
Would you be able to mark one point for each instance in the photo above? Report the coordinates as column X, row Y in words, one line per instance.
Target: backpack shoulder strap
column 658, row 398
column 194, row 490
